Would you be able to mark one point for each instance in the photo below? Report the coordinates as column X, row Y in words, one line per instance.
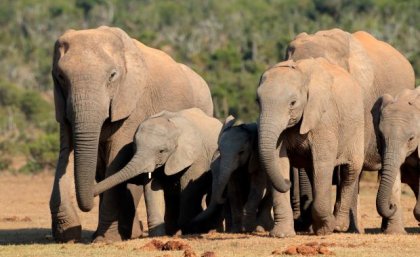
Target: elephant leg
column 64, row 219
column 112, row 208
column 349, row 177
column 129, row 225
column 194, row 187
column 323, row 219
column 395, row 225
column 155, row 207
column 296, row 195
column 265, row 220
column 283, row 213
column 304, row 221
column 257, row 190
column 236, row 204
column 356, row 225
column 66, row 225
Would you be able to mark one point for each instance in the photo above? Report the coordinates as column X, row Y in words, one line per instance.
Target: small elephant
column 105, row 84
column 237, row 172
column 308, row 121
column 399, row 127
column 176, row 149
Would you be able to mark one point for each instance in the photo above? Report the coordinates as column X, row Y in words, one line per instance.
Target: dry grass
column 25, row 230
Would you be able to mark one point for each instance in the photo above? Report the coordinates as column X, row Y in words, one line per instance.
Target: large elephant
column 399, row 127
column 237, row 178
column 183, row 143
column 105, row 85
column 377, row 68
column 308, row 121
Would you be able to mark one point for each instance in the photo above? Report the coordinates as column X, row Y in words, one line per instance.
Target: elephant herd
column 140, row 124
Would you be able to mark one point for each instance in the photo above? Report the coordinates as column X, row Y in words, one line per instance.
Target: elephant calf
column 237, row 171
column 176, row 149
column 399, row 127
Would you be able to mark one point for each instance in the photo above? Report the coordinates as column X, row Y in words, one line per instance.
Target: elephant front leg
column 349, row 177
column 66, row 225
column 282, row 209
column 323, row 219
column 395, row 224
column 256, row 193
column 155, row 207
column 117, row 214
column 236, row 205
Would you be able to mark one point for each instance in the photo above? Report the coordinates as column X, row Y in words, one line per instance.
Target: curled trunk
column 390, row 169
column 269, row 156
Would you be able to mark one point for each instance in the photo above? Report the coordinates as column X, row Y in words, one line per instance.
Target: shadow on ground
column 27, row 236
column 411, row 230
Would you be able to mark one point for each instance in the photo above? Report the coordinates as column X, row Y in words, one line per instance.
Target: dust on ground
column 25, row 231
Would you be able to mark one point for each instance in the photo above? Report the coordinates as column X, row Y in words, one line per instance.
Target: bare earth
column 25, row 230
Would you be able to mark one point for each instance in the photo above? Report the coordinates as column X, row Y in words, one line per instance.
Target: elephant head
column 166, row 139
column 399, row 127
column 98, row 75
column 237, row 148
column 290, row 94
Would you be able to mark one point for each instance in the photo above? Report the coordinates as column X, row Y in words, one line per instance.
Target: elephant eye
column 411, row 139
column 113, row 75
column 292, row 103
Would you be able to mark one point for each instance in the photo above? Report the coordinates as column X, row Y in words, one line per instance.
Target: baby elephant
column 236, row 172
column 399, row 127
column 176, row 149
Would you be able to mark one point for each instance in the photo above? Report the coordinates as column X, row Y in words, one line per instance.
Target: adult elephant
column 377, row 67
column 105, row 85
column 399, row 127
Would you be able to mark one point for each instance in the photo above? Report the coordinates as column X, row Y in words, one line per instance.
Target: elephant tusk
column 149, row 175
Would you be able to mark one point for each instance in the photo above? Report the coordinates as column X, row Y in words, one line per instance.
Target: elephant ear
column 318, row 83
column 230, row 120
column 133, row 83
column 188, row 148
column 386, row 99
column 59, row 98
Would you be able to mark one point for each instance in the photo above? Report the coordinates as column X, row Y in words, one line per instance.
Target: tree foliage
column 230, row 43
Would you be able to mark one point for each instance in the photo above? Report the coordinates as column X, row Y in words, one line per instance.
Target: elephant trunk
column 269, row 155
column 417, row 208
column 86, row 140
column 220, row 185
column 390, row 169
column 132, row 169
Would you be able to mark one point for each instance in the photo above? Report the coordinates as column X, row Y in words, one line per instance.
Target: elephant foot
column 282, row 231
column 325, row 226
column 158, row 230
column 249, row 225
column 65, row 229
column 107, row 235
column 342, row 223
column 65, row 234
column 259, row 229
column 392, row 227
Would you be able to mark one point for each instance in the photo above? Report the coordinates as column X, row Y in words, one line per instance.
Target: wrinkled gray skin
column 377, row 68
column 183, row 144
column 105, row 85
column 308, row 121
column 399, row 126
column 237, row 172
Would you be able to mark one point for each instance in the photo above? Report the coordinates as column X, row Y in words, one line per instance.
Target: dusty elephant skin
column 237, row 172
column 105, row 85
column 305, row 116
column 183, row 144
column 399, row 127
column 377, row 68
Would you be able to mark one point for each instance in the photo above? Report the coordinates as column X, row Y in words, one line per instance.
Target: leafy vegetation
column 230, row 43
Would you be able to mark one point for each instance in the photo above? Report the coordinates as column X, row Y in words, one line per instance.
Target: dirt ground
column 25, row 231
